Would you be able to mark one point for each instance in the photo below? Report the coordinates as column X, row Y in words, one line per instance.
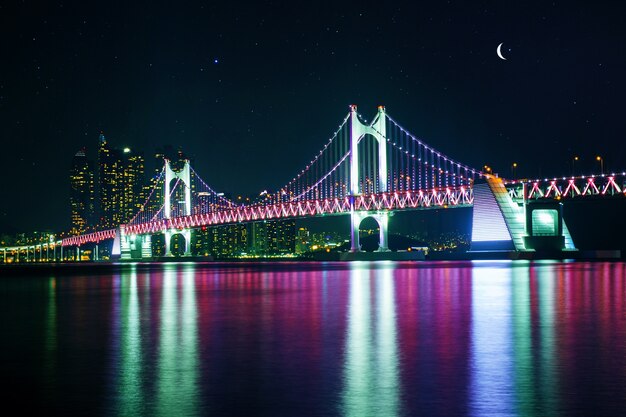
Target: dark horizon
column 263, row 87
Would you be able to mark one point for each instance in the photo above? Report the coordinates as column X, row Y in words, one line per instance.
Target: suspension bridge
column 364, row 170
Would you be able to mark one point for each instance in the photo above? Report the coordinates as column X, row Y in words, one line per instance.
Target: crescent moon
column 499, row 51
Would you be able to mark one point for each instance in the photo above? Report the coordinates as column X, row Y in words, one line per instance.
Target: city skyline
column 263, row 98
column 370, row 170
column 313, row 208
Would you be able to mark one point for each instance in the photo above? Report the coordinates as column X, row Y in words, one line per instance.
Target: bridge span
column 363, row 170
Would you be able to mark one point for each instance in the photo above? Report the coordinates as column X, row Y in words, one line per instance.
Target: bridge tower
column 184, row 175
column 357, row 131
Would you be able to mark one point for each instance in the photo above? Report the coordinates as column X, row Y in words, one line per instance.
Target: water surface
column 298, row 339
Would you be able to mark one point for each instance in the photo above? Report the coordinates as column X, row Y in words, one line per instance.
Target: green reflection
column 51, row 344
column 491, row 381
column 388, row 383
column 371, row 383
column 548, row 381
column 522, row 340
column 131, row 395
column 178, row 352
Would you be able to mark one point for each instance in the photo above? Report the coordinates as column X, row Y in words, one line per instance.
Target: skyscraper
column 273, row 237
column 108, row 198
column 131, row 180
column 81, row 192
column 120, row 184
column 282, row 236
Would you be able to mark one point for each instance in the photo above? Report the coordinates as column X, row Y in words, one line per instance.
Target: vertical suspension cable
column 373, row 164
column 414, row 162
column 429, row 172
column 346, row 172
column 419, row 166
column 341, row 169
column 426, row 167
column 407, row 163
column 392, row 167
column 432, row 169
column 324, row 170
column 435, row 170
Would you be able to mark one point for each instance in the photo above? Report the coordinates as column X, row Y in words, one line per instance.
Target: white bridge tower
column 184, row 175
column 357, row 132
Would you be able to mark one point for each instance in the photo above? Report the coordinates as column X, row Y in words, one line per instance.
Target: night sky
column 253, row 90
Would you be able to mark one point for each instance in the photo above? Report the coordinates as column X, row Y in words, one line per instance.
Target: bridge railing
column 94, row 237
column 437, row 198
column 569, row 187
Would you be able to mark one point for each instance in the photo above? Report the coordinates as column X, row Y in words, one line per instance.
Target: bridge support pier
column 125, row 246
column 168, row 238
column 358, row 130
column 186, row 233
column 355, row 221
column 501, row 224
column 382, row 218
column 146, row 246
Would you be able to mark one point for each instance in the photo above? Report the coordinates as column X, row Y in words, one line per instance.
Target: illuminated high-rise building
column 282, row 235
column 131, row 179
column 273, row 237
column 302, row 240
column 81, row 192
column 229, row 240
column 120, row 184
column 109, row 164
column 258, row 238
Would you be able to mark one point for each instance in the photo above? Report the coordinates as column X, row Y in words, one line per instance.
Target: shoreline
column 343, row 258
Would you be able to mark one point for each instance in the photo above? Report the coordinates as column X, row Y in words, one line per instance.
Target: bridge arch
column 184, row 175
column 377, row 129
column 185, row 234
column 382, row 218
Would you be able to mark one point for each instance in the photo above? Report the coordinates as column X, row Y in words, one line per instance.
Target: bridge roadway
column 609, row 185
column 458, row 197
column 554, row 188
column 376, row 174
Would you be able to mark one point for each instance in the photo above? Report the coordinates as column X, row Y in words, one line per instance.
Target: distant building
column 109, row 165
column 81, row 193
column 221, row 241
column 282, row 236
column 259, row 244
column 131, row 179
column 302, row 240
column 273, row 237
column 121, row 178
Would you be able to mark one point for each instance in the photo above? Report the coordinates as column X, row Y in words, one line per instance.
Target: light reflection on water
column 371, row 384
column 491, row 384
column 392, row 339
